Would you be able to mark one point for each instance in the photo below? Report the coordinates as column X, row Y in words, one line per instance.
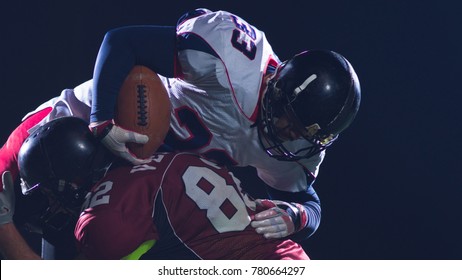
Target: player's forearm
column 313, row 210
column 13, row 246
column 311, row 204
column 122, row 48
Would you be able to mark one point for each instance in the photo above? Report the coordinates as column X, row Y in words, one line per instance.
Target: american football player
column 71, row 102
column 234, row 101
column 173, row 207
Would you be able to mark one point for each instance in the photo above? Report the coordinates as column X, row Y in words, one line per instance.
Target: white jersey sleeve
column 71, row 102
column 233, row 52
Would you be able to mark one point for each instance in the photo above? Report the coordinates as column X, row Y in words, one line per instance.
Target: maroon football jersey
column 194, row 208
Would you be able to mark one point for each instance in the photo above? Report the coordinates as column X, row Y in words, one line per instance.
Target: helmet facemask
column 277, row 104
column 64, row 202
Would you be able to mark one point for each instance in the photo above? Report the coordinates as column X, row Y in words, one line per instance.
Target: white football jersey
column 221, row 88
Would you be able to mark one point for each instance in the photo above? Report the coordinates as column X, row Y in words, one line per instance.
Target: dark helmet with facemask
column 318, row 93
column 62, row 159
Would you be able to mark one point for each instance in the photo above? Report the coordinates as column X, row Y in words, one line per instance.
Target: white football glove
column 7, row 199
column 114, row 138
column 278, row 218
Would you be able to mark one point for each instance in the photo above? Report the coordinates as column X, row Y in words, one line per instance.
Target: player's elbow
column 115, row 36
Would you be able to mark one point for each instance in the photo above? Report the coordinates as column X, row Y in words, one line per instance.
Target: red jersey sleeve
column 9, row 151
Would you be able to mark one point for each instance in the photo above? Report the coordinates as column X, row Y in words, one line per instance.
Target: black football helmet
column 63, row 160
column 318, row 93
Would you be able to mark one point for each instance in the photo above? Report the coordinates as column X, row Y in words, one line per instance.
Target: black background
column 389, row 186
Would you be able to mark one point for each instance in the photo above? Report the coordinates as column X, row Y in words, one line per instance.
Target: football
column 143, row 106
